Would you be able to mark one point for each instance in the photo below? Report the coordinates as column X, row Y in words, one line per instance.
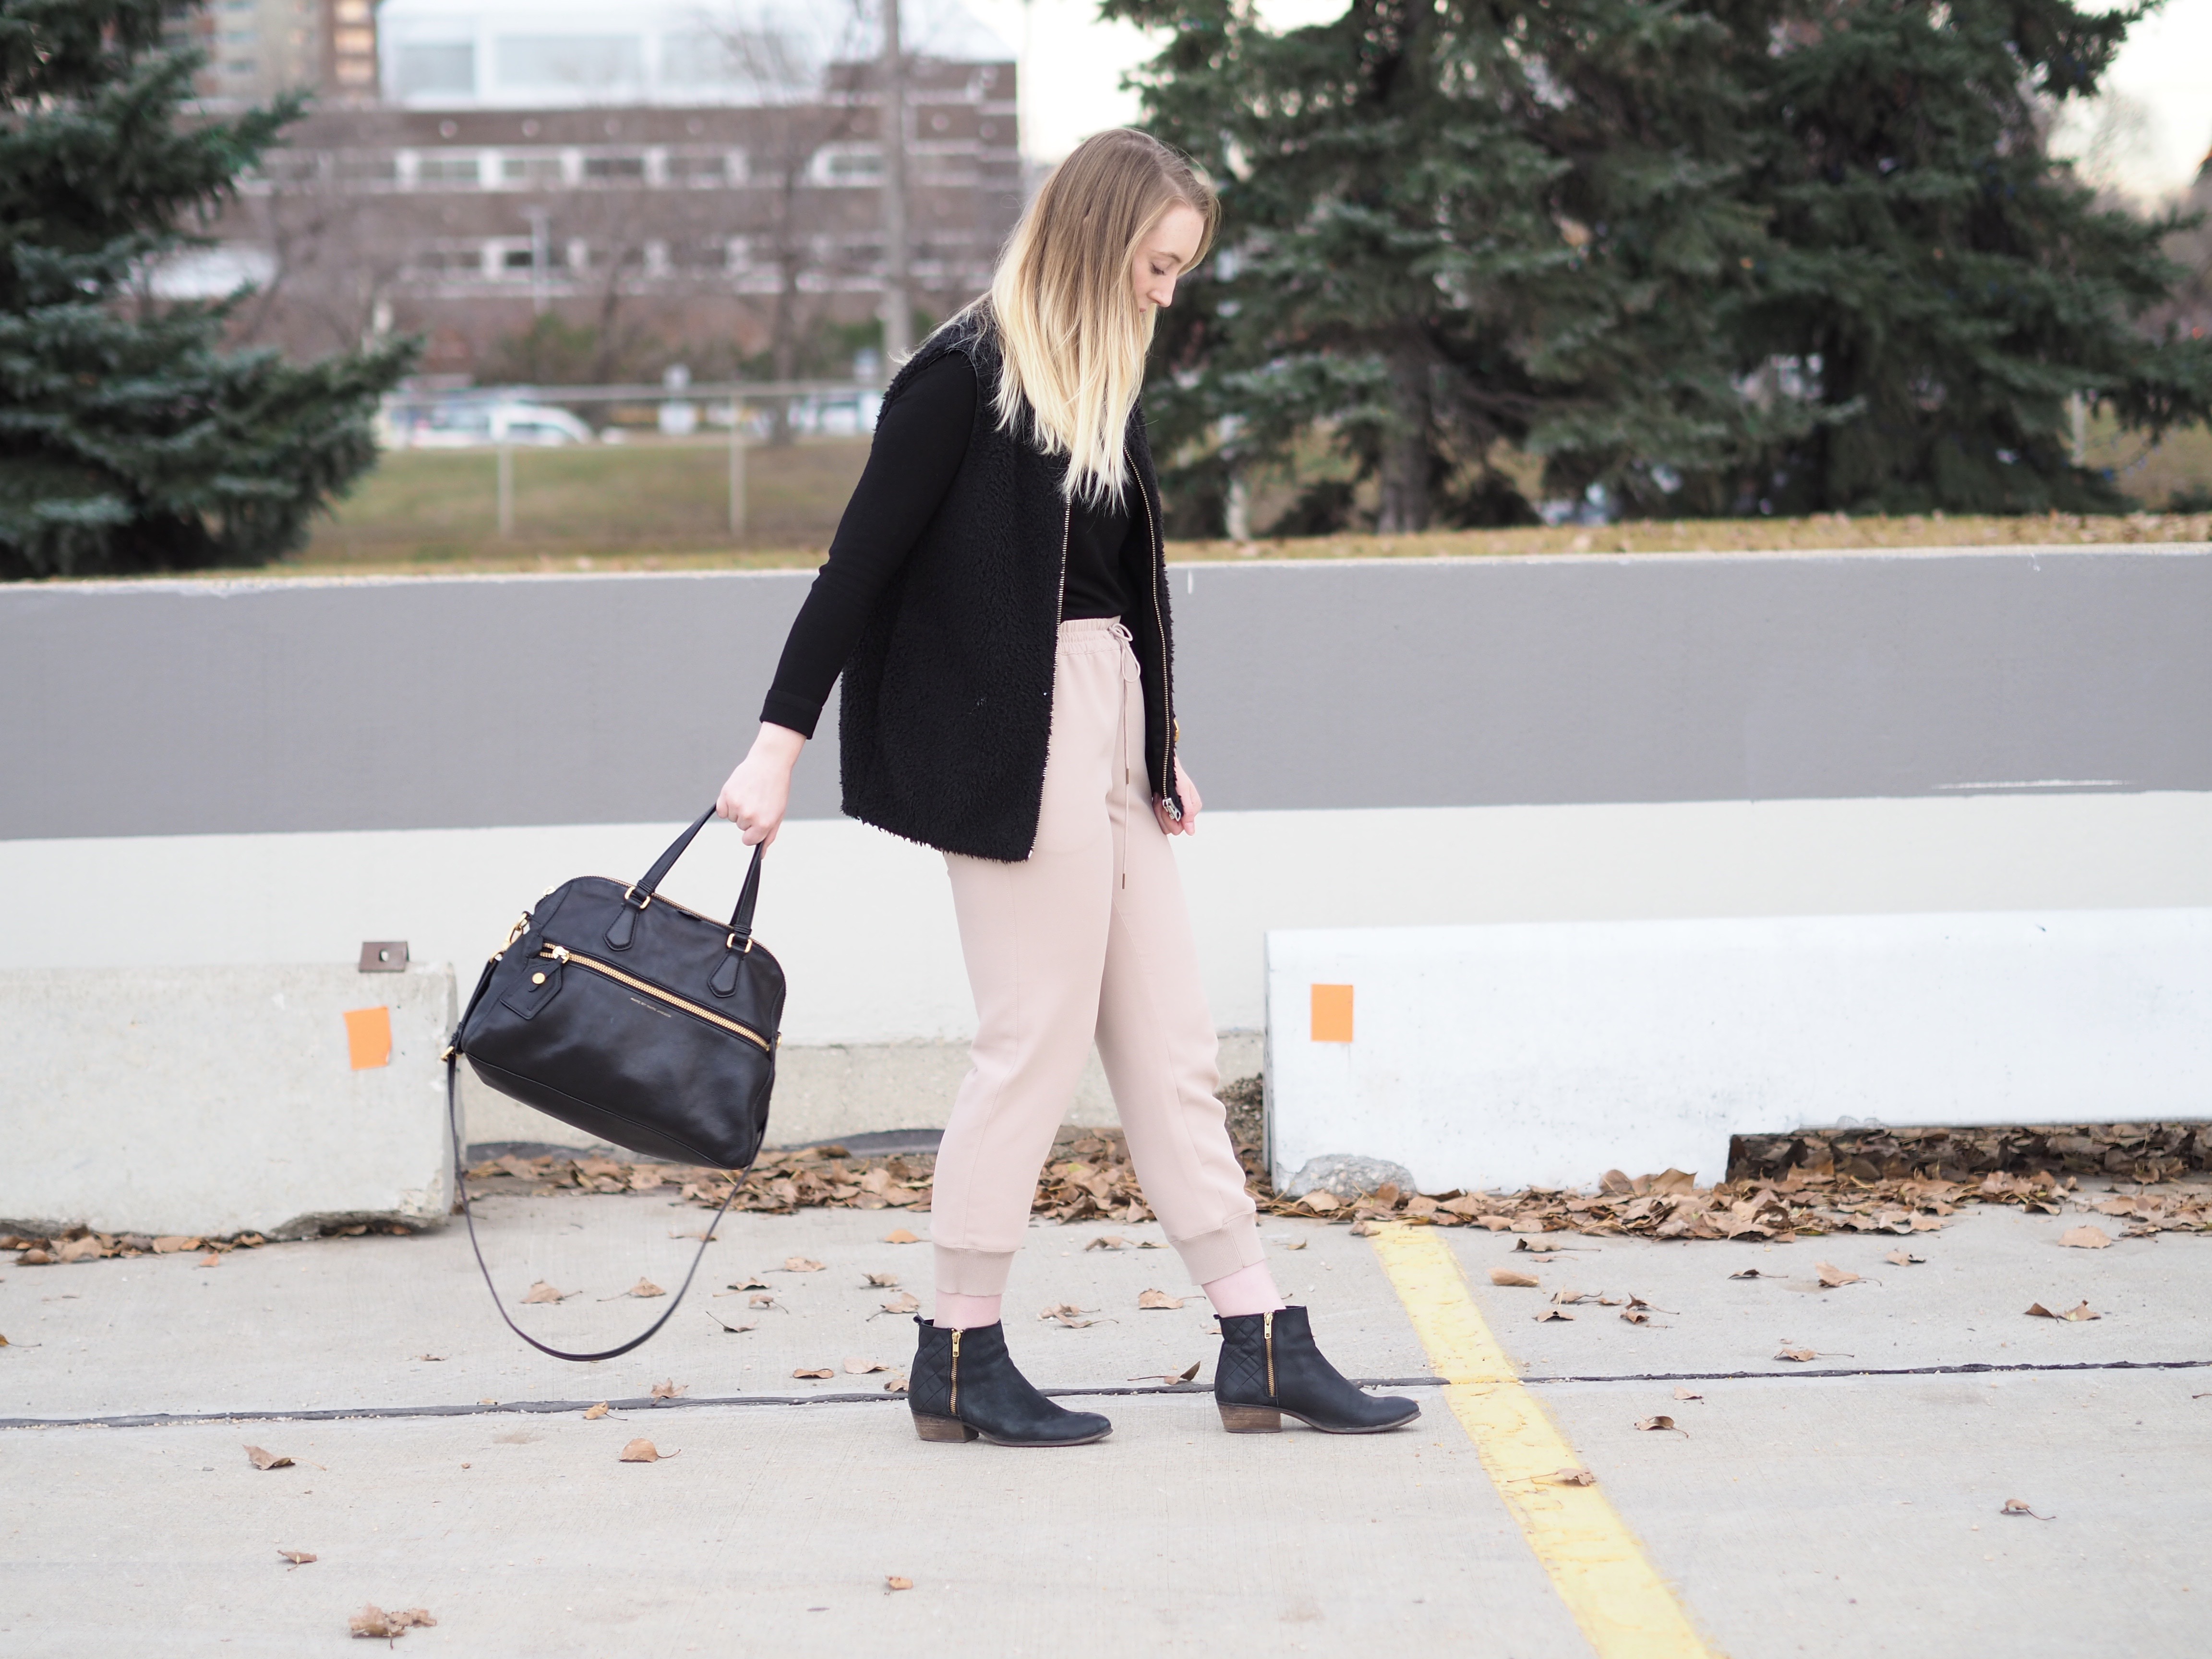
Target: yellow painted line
column 1625, row 1609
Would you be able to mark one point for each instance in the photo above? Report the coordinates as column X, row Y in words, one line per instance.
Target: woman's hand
column 759, row 791
column 1191, row 804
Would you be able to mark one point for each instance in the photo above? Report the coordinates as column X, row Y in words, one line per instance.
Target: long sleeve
column 921, row 438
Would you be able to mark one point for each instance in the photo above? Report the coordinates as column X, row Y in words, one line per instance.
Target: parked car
column 464, row 425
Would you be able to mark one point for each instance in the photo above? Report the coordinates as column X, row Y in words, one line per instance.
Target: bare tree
column 806, row 89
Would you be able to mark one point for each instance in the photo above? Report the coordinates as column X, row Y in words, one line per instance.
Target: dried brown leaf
column 1797, row 1356
column 1573, row 1478
column 900, row 1235
column 896, row 1583
column 297, row 1558
column 1507, row 1276
column 592, row 1413
column 2019, row 1506
column 905, row 1302
column 1902, row 1258
column 801, row 1264
column 373, row 1620
column 670, row 1389
column 1108, row 1242
column 1748, row 1273
column 877, row 1281
column 1288, row 1245
column 750, row 1282
column 2086, row 1237
column 643, row 1451
column 1550, row 1313
column 1635, row 1316
column 761, row 1299
column 1682, row 1393
column 2076, row 1314
column 210, row 1260
column 858, row 1367
column 1657, row 1423
column 896, row 1384
column 1157, row 1299
column 1322, row 1202
column 819, row 1373
column 1834, row 1278
column 644, row 1287
column 541, row 1292
column 172, row 1245
column 267, row 1460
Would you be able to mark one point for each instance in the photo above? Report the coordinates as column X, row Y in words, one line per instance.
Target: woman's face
column 1165, row 253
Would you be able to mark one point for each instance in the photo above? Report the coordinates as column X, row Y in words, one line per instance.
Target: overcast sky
column 2152, row 141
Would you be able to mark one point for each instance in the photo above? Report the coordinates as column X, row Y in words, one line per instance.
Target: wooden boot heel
column 1250, row 1419
column 950, row 1429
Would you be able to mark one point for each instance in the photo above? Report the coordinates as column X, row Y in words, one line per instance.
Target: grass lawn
column 660, row 505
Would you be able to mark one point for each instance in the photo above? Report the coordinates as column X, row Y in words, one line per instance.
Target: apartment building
column 663, row 168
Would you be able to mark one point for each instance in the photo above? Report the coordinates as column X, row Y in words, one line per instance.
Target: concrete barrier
column 1544, row 1055
column 222, row 1100
column 235, row 772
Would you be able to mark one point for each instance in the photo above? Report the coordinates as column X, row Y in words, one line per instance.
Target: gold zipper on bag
column 559, row 953
column 1268, row 1330
column 954, row 1406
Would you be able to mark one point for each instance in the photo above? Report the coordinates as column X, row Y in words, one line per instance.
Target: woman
column 996, row 600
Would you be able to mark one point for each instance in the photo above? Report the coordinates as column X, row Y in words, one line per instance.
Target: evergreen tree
column 1939, row 286
column 1788, row 254
column 1449, row 224
column 129, row 440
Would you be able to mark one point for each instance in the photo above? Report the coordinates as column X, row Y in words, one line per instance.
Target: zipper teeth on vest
column 1058, row 615
column 559, row 953
column 1167, row 687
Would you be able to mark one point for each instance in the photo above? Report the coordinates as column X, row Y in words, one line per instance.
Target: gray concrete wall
column 164, row 708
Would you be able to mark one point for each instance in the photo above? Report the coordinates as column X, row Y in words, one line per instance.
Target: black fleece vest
column 945, row 711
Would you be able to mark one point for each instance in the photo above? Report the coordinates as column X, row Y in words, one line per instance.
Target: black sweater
column 920, row 444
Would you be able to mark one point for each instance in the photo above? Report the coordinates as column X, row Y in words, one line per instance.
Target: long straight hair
column 1071, row 333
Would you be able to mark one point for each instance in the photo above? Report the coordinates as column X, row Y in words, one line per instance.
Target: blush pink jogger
column 1087, row 939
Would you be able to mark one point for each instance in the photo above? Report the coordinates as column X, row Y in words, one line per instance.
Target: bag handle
column 741, row 919
column 461, row 1180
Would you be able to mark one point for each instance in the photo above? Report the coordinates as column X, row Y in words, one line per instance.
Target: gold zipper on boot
column 1268, row 1330
column 559, row 953
column 953, row 1409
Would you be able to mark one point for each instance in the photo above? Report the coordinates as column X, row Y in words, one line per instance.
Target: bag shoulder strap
column 461, row 1180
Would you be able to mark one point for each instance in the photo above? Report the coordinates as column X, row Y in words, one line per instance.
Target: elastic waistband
column 1093, row 633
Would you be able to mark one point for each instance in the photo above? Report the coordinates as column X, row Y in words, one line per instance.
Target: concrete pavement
column 1801, row 1513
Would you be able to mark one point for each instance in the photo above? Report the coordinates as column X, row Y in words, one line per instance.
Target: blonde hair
column 1072, row 333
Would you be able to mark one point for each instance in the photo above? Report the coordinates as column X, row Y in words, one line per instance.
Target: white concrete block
column 1543, row 1055
column 219, row 1100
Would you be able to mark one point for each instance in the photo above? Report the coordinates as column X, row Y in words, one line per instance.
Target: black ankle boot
column 964, row 1384
column 1269, row 1365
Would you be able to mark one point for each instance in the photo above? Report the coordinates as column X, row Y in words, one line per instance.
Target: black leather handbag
column 643, row 1024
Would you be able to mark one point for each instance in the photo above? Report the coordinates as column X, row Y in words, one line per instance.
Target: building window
column 448, row 171
column 615, row 169
column 596, row 62
column 436, row 69
column 368, row 168
column 849, row 164
column 701, row 170
column 531, row 169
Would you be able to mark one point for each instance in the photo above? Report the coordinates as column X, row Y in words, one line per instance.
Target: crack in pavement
column 553, row 1407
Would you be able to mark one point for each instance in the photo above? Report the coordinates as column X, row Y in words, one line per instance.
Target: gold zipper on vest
column 1167, row 686
column 953, row 1409
column 558, row 953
